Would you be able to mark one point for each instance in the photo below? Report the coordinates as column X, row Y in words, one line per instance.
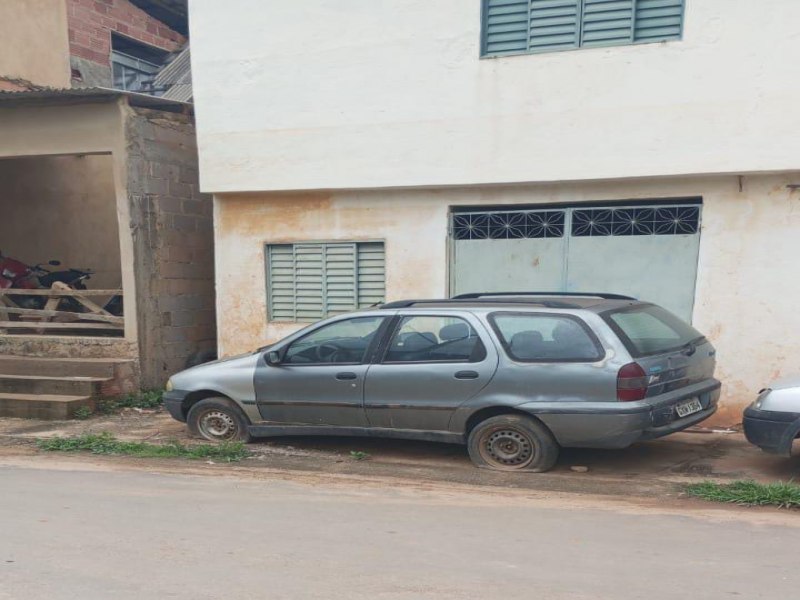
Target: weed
column 749, row 493
column 106, row 443
column 358, row 455
column 142, row 399
column 82, row 413
column 147, row 399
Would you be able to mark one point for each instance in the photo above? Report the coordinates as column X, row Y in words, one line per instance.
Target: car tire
column 512, row 443
column 218, row 420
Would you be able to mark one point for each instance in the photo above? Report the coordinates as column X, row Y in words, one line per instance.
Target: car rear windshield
column 648, row 329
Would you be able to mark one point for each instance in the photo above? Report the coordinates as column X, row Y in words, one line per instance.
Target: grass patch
column 82, row 413
column 358, row 455
column 105, row 443
column 748, row 493
column 147, row 399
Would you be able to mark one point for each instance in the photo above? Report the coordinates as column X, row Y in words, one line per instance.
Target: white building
column 428, row 147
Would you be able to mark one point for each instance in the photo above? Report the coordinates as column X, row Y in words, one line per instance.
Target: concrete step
column 44, row 384
column 42, row 406
column 60, row 367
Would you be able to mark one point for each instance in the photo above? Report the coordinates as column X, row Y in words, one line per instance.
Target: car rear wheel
column 513, row 443
column 218, row 420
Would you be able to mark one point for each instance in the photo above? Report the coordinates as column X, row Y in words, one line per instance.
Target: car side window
column 340, row 342
column 545, row 338
column 434, row 339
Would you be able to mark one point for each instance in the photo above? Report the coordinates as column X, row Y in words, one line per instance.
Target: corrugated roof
column 176, row 77
column 72, row 95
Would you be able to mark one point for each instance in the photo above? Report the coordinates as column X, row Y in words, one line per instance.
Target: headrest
column 454, row 331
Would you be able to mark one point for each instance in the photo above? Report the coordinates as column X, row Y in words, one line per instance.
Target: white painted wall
column 325, row 94
column 745, row 298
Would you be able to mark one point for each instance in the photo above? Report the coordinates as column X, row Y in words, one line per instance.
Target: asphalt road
column 121, row 534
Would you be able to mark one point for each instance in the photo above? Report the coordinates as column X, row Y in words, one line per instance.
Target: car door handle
column 466, row 375
column 346, row 376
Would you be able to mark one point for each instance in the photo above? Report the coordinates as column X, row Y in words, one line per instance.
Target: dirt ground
column 657, row 470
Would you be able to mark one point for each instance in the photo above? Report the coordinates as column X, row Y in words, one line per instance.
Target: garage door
column 645, row 251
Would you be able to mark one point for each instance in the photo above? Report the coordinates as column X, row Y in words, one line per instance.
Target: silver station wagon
column 513, row 376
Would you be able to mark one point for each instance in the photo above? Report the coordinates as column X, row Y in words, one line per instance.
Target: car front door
column 431, row 366
column 320, row 377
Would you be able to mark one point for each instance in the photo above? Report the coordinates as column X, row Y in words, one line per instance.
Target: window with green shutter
column 309, row 281
column 530, row 26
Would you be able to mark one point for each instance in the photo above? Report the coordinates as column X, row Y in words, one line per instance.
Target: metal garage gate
column 645, row 251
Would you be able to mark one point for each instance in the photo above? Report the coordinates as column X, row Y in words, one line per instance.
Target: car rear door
column 431, row 365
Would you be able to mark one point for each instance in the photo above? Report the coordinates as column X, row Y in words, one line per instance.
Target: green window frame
column 536, row 26
column 309, row 281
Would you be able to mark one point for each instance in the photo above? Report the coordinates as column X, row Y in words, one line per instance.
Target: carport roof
column 89, row 94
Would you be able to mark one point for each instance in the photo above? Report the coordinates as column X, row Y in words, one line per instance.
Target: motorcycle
column 76, row 279
column 16, row 274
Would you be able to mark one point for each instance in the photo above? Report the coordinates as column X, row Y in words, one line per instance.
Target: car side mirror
column 273, row 358
column 54, row 263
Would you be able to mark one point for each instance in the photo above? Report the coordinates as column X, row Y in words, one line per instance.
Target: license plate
column 684, row 409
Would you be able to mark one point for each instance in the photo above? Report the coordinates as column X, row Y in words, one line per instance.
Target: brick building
column 98, row 170
column 122, row 44
column 119, row 43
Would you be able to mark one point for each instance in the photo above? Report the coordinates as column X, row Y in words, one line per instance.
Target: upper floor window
column 134, row 65
column 530, row 26
column 309, row 281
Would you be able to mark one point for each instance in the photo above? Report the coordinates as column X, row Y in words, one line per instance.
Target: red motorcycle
column 18, row 275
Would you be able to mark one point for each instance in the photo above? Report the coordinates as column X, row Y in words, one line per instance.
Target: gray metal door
column 648, row 252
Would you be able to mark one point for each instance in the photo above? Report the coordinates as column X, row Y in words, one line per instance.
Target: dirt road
column 658, row 469
column 99, row 529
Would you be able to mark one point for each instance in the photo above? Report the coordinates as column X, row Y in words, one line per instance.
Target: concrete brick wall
column 90, row 25
column 173, row 238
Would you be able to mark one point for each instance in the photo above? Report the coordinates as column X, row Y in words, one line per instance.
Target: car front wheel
column 218, row 420
column 513, row 443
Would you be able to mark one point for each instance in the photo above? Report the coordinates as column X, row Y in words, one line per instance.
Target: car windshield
column 650, row 329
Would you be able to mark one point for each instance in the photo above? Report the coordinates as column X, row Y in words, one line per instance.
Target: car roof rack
column 603, row 295
column 499, row 297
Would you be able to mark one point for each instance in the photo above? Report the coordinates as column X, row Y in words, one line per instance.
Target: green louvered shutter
column 310, row 281
column 607, row 22
column 555, row 24
column 506, row 25
column 658, row 20
column 281, row 292
column 518, row 26
column 340, row 291
column 309, row 264
column 371, row 270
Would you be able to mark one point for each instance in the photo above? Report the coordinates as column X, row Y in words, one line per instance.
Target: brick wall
column 173, row 241
column 90, row 25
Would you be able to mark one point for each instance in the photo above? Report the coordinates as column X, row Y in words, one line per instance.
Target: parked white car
column 772, row 422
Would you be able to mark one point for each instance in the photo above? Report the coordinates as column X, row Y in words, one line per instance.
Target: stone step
column 60, row 367
column 42, row 406
column 44, row 384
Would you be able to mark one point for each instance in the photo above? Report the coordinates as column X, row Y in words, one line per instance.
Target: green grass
column 82, row 413
column 106, row 443
column 358, row 455
column 147, row 399
column 749, row 493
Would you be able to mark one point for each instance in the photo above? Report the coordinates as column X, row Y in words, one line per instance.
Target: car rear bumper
column 173, row 402
column 772, row 431
column 620, row 424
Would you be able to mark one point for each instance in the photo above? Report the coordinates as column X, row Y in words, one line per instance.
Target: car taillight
column 631, row 383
